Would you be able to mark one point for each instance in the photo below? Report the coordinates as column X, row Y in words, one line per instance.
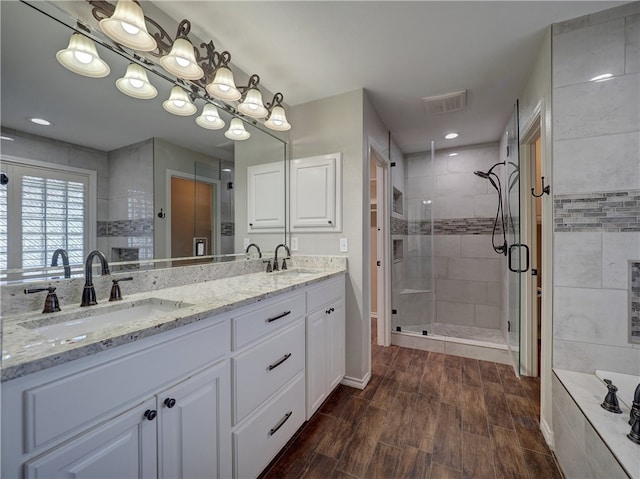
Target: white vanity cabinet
column 108, row 415
column 325, row 341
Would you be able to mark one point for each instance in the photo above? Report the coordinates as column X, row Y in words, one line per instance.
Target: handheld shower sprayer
column 490, row 175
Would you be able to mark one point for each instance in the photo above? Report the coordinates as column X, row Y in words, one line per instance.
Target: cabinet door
column 316, row 193
column 122, row 447
column 335, row 344
column 195, row 426
column 316, row 361
column 265, row 196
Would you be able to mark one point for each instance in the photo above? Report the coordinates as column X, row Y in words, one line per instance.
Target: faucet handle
column 284, row 263
column 269, row 268
column 115, row 294
column 51, row 303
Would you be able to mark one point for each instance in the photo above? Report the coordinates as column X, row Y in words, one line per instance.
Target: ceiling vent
column 446, row 103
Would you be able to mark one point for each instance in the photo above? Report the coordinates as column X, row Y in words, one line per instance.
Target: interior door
column 194, row 200
column 518, row 253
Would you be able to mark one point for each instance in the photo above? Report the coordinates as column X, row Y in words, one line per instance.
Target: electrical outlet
column 246, row 242
column 294, row 243
column 344, row 245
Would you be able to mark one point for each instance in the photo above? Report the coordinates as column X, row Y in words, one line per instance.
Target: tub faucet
column 284, row 261
column 65, row 261
column 256, row 247
column 89, row 292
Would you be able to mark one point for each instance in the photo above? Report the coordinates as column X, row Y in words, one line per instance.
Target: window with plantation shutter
column 44, row 209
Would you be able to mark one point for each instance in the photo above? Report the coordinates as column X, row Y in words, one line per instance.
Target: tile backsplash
column 634, row 302
column 612, row 211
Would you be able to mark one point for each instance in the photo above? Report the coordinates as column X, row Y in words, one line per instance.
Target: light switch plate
column 246, row 242
column 294, row 243
column 344, row 245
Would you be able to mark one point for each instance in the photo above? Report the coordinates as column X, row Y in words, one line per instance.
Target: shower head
column 481, row 174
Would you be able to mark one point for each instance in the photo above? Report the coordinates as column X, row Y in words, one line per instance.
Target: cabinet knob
column 169, row 402
column 150, row 414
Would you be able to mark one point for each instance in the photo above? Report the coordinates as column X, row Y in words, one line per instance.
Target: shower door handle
column 526, row 264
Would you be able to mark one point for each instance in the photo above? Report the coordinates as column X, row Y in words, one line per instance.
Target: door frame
column 215, row 221
column 383, row 199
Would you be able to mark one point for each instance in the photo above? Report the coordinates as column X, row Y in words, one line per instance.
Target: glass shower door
column 517, row 253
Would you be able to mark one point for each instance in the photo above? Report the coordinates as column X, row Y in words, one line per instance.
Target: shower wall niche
column 412, row 299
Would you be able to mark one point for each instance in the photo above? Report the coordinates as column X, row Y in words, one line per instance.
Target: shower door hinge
column 534, row 272
column 508, row 326
column 507, row 150
column 394, row 311
column 393, row 163
column 378, row 263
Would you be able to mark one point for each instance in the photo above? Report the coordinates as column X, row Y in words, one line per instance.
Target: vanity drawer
column 71, row 404
column 260, row 439
column 325, row 293
column 268, row 317
column 260, row 371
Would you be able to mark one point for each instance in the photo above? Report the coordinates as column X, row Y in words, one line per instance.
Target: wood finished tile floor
column 424, row 415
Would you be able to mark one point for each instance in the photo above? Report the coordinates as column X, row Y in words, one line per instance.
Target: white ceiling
column 398, row 51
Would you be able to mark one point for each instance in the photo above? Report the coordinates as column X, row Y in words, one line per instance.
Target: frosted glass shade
column 236, row 130
column 81, row 57
column 179, row 103
column 277, row 120
column 127, row 27
column 210, row 118
column 135, row 83
column 252, row 105
column 181, row 61
column 223, row 87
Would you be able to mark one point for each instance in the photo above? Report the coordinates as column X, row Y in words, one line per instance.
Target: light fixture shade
column 223, row 87
column 81, row 57
column 236, row 130
column 210, row 118
column 277, row 120
column 136, row 84
column 252, row 105
column 179, row 103
column 127, row 27
column 181, row 61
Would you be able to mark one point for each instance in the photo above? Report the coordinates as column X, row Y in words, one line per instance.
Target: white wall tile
column 577, row 260
column 418, row 167
column 617, row 249
column 596, row 108
column 485, row 206
column 447, row 245
column 487, row 316
column 461, row 291
column 603, row 462
column 474, row 269
column 441, row 264
column 472, row 159
column 419, row 187
column 596, row 316
column 633, row 44
column 454, row 207
column 609, row 14
column 587, row 357
column 494, row 294
column 581, row 54
column 454, row 184
column 455, row 313
column 477, row 246
column 477, row 352
column 601, row 163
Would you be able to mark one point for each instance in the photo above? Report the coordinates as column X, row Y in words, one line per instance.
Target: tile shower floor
column 424, row 415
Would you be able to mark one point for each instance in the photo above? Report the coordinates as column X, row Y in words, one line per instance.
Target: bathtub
column 590, row 441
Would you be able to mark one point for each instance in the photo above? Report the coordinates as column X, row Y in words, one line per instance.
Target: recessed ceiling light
column 40, row 121
column 426, row 202
column 453, row 154
column 603, row 77
column 451, row 136
column 7, row 138
column 226, row 169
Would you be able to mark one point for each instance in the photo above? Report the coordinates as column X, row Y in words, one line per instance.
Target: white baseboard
column 547, row 433
column 356, row 382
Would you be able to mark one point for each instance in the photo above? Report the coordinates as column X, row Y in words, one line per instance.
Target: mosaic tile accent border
column 142, row 227
column 614, row 211
column 634, row 302
column 227, row 228
column 452, row 226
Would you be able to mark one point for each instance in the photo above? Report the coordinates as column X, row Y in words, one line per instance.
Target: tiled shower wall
column 596, row 188
column 467, row 270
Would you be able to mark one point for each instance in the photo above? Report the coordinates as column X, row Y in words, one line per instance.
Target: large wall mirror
column 114, row 173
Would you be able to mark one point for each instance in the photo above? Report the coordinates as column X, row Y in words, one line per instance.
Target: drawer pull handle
column 286, row 313
column 275, row 428
column 279, row 362
column 150, row 414
column 169, row 402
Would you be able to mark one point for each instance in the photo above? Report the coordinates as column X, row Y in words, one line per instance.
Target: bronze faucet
column 89, row 292
column 65, row 261
column 256, row 247
column 51, row 304
column 284, row 261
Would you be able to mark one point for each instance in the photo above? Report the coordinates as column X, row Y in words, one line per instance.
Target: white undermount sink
column 77, row 325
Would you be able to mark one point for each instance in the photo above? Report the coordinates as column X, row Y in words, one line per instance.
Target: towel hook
column 545, row 189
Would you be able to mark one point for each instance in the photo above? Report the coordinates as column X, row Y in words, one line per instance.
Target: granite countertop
column 25, row 351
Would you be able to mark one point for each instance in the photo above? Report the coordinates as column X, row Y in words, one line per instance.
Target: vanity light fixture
column 81, row 57
column 222, row 86
column 451, row 136
column 127, row 27
column 252, row 99
column 179, row 103
column 40, row 121
column 135, row 83
column 181, row 60
column 210, row 118
column 236, row 130
column 277, row 119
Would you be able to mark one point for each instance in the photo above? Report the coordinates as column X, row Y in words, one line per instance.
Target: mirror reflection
column 117, row 173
